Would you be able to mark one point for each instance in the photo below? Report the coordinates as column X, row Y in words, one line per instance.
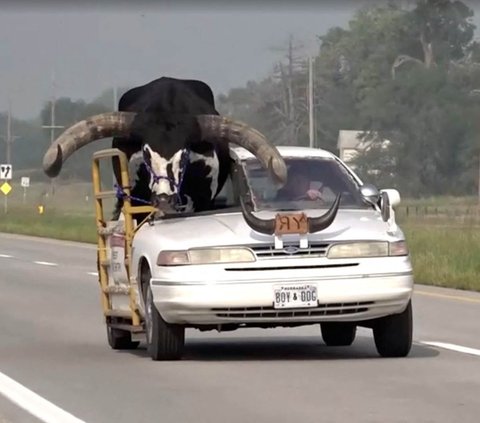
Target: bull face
column 166, row 176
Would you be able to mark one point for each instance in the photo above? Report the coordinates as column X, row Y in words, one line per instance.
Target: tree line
column 407, row 74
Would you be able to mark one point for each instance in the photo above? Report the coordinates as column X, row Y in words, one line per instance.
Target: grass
column 444, row 255
column 445, row 251
column 69, row 214
column 50, row 225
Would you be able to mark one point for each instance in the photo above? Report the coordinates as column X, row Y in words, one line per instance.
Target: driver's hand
column 313, row 194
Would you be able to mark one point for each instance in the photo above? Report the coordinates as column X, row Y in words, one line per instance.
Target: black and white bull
column 177, row 144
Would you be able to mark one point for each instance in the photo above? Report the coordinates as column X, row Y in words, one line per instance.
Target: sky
column 92, row 47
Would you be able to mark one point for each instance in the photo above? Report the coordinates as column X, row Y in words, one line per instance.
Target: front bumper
column 342, row 299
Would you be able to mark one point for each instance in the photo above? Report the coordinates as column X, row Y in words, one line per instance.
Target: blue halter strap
column 183, row 168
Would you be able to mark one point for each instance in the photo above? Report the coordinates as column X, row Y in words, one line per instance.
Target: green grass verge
column 445, row 256
column 442, row 255
column 49, row 225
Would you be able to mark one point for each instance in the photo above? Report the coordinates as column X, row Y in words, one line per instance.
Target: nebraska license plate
column 295, row 296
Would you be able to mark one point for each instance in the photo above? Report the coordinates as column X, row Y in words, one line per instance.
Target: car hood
column 231, row 229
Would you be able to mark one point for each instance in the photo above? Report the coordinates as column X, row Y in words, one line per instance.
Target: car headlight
column 399, row 248
column 358, row 249
column 368, row 249
column 205, row 256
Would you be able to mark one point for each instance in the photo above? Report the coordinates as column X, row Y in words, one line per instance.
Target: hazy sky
column 101, row 45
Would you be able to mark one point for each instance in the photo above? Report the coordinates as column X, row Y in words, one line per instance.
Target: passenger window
column 226, row 197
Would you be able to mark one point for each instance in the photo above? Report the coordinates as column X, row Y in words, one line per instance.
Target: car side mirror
column 393, row 196
column 389, row 199
column 385, row 207
column 370, row 194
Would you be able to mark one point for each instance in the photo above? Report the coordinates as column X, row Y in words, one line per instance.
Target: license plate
column 295, row 296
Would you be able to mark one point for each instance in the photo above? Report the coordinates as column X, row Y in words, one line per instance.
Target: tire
column 338, row 334
column 120, row 339
column 393, row 334
column 164, row 341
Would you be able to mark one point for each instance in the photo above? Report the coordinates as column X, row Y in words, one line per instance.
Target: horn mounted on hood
column 272, row 226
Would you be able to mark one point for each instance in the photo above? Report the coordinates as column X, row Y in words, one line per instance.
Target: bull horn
column 317, row 224
column 240, row 133
column 267, row 226
column 264, row 226
column 82, row 133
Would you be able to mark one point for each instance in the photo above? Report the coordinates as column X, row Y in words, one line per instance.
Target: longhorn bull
column 177, row 143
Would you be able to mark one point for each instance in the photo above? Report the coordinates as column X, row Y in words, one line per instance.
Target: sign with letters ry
column 291, row 223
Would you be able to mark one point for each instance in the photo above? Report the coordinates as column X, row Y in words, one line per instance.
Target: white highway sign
column 25, row 181
column 6, row 171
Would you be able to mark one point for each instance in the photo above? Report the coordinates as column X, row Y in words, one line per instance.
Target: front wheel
column 164, row 341
column 393, row 334
column 338, row 334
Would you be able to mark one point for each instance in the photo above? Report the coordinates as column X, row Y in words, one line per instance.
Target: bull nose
column 163, row 203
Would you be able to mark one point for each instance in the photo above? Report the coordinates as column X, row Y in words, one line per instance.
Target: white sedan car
column 215, row 270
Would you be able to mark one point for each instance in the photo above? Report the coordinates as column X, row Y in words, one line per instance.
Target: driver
column 297, row 188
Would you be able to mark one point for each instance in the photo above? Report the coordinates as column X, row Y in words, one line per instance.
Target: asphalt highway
column 56, row 365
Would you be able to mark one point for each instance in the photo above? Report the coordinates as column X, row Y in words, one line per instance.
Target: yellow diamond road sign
column 6, row 188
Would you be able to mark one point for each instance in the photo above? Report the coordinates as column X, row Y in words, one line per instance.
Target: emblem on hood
column 291, row 249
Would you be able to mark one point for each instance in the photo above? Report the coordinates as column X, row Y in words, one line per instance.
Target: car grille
column 270, row 268
column 332, row 309
column 268, row 251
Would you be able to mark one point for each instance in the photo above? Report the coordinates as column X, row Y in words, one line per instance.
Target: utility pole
column 311, row 120
column 52, row 125
column 115, row 99
column 479, row 179
column 9, row 137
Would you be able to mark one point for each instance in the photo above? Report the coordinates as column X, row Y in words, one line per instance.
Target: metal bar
column 129, row 232
column 128, row 212
column 139, row 209
column 105, row 194
column 101, row 243
column 119, row 313
column 129, row 328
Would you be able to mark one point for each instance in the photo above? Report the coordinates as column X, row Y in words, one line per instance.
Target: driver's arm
column 314, row 194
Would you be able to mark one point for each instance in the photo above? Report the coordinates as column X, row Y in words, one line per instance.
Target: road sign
column 25, row 181
column 6, row 188
column 6, row 171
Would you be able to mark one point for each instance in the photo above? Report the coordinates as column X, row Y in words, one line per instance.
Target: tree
column 443, row 31
column 427, row 110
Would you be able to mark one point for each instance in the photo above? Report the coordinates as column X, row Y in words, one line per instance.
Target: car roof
column 240, row 153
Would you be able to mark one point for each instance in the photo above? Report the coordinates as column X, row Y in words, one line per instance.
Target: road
column 53, row 344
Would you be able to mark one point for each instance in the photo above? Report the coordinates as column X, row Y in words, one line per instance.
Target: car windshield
column 312, row 183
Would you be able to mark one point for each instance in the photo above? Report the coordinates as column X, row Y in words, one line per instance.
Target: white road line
column 45, row 263
column 453, row 347
column 34, row 403
column 92, row 273
column 5, row 256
